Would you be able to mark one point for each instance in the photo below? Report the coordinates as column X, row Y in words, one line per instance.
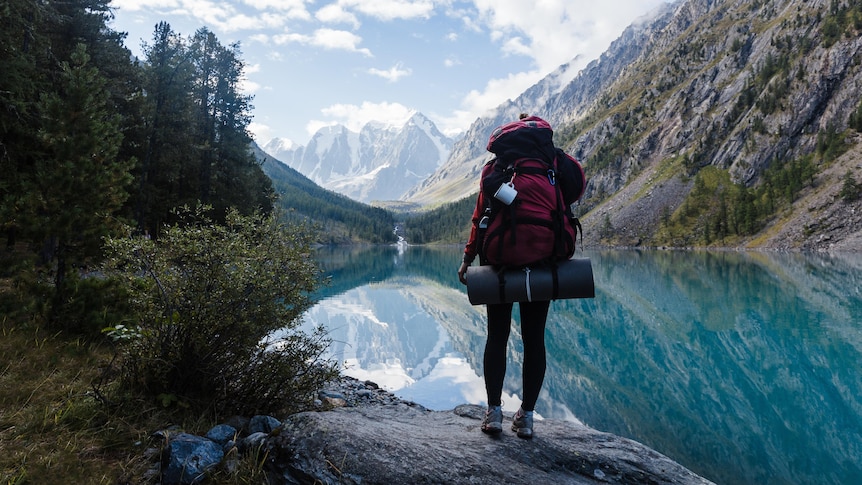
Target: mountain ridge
column 708, row 123
column 378, row 163
column 750, row 89
column 341, row 220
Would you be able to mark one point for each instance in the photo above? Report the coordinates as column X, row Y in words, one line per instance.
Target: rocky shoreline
column 361, row 434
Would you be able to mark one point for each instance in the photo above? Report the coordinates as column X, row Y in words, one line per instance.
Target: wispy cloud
column 335, row 14
column 286, row 5
column 135, row 5
column 534, row 38
column 354, row 117
column 393, row 74
column 390, row 9
column 326, row 38
column 550, row 32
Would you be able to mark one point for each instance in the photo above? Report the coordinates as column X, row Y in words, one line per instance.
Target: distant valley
column 705, row 124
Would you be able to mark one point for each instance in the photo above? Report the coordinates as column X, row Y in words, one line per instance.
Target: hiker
column 529, row 141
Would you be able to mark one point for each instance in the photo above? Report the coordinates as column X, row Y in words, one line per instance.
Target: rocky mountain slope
column 559, row 98
column 748, row 88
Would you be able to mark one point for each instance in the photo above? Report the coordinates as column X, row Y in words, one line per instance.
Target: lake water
column 744, row 367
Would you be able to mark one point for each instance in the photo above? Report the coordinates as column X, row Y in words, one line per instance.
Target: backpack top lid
column 529, row 137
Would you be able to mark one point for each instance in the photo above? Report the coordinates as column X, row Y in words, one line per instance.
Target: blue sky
column 312, row 63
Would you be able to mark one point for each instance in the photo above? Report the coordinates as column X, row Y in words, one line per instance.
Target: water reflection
column 741, row 366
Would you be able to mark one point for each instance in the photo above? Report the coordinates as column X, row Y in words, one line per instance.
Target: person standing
column 524, row 152
column 533, row 318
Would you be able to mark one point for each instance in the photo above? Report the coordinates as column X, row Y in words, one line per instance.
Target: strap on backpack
column 501, row 282
column 556, row 279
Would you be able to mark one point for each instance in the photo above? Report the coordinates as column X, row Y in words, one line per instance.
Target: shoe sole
column 523, row 433
column 492, row 429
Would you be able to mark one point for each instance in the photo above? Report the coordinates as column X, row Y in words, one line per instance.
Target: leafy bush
column 210, row 299
column 90, row 303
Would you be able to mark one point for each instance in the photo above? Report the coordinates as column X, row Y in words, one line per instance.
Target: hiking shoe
column 522, row 423
column 493, row 422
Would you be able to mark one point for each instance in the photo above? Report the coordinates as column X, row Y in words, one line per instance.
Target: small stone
column 189, row 459
column 263, row 424
column 252, row 442
column 221, row 433
column 239, row 423
column 372, row 385
column 330, row 394
column 335, row 402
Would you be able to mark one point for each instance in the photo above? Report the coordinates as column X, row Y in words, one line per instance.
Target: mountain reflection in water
column 744, row 367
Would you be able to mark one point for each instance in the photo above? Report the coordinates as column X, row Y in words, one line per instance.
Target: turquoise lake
column 742, row 366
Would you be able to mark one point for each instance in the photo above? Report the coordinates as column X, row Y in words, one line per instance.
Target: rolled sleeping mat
column 567, row 279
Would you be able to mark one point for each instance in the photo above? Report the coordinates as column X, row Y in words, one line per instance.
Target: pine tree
column 78, row 184
column 227, row 173
column 22, row 43
column 850, row 188
column 167, row 147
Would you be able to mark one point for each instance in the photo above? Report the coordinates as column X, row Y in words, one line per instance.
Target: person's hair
column 523, row 115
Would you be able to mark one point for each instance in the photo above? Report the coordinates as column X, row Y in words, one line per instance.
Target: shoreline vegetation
column 162, row 333
column 54, row 428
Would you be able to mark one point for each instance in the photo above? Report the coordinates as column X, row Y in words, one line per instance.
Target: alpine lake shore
column 53, row 429
column 361, row 434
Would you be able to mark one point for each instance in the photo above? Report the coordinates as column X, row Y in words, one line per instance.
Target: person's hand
column 462, row 272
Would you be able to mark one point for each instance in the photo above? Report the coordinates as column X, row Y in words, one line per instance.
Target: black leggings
column 533, row 317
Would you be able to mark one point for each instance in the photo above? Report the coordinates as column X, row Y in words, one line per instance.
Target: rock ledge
column 378, row 439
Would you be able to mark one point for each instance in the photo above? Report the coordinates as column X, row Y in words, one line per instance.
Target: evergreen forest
column 92, row 138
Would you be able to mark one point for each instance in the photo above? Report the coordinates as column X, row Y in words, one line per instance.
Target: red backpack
column 538, row 226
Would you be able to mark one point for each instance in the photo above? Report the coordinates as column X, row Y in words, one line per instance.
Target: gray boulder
column 221, row 434
column 262, row 424
column 404, row 443
column 189, row 458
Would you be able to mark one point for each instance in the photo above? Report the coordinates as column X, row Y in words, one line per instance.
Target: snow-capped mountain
column 380, row 162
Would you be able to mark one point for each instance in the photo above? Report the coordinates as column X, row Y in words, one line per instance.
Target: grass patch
column 53, row 429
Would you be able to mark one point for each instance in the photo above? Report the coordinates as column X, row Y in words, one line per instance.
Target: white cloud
column 551, row 33
column 224, row 16
column 355, row 117
column 135, row 5
column 516, row 45
column 327, row 39
column 554, row 31
column 393, row 74
column 246, row 85
column 535, row 36
column 260, row 132
column 261, row 38
column 334, row 14
column 338, row 39
column 479, row 103
column 391, row 9
column 290, row 5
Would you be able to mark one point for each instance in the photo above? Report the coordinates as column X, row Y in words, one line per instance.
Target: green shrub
column 91, row 303
column 850, row 188
column 211, row 299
